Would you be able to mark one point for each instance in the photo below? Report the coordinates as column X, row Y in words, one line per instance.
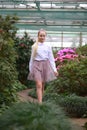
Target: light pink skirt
column 42, row 71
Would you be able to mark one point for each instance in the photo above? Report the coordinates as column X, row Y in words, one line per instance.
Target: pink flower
column 65, row 54
column 56, row 59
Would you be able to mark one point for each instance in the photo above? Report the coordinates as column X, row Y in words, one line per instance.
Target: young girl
column 42, row 66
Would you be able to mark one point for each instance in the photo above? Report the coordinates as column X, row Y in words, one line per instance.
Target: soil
column 23, row 96
column 78, row 122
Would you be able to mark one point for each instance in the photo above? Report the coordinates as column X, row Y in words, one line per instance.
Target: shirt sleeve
column 31, row 60
column 51, row 59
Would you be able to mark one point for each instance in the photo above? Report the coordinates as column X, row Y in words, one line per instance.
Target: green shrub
column 75, row 106
column 7, row 26
column 53, row 97
column 3, row 108
column 31, row 84
column 23, row 47
column 72, row 79
column 82, row 51
column 32, row 93
column 32, row 116
column 85, row 126
column 72, row 76
column 19, row 86
column 8, row 73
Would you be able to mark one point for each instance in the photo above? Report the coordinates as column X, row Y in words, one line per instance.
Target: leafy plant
column 82, row 51
column 8, row 73
column 32, row 116
column 72, row 79
column 3, row 108
column 85, row 125
column 7, row 26
column 32, row 93
column 53, row 97
column 75, row 106
column 19, row 86
column 65, row 55
column 7, row 79
column 23, row 47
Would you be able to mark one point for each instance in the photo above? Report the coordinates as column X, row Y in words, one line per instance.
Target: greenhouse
column 43, row 64
column 65, row 21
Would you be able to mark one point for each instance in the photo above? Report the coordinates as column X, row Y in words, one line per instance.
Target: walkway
column 78, row 122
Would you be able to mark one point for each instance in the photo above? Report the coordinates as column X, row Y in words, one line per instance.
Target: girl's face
column 41, row 36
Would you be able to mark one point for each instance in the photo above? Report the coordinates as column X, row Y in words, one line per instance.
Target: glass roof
column 52, row 15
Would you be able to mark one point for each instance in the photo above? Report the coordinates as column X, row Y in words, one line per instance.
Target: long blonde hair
column 35, row 45
column 34, row 48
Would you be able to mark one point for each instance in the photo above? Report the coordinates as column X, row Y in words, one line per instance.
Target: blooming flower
column 65, row 54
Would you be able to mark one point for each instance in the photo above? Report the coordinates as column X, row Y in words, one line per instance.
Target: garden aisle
column 23, row 96
column 78, row 122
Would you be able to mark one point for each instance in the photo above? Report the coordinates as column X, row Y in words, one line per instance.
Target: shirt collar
column 39, row 43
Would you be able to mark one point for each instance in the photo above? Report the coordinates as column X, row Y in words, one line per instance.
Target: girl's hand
column 56, row 73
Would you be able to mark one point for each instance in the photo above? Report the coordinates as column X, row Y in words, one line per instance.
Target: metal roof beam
column 52, row 28
column 48, row 15
column 39, row 4
column 53, row 23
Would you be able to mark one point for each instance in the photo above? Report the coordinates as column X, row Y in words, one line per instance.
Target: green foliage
column 7, row 26
column 31, row 84
column 72, row 76
column 82, row 50
column 32, row 93
column 75, row 106
column 3, row 108
column 32, row 116
column 85, row 125
column 72, row 79
column 53, row 97
column 18, row 86
column 23, row 47
column 8, row 73
column 7, row 79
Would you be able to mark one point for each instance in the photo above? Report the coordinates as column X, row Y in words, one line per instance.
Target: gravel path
column 23, row 96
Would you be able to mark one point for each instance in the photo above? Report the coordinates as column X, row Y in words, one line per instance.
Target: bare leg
column 39, row 91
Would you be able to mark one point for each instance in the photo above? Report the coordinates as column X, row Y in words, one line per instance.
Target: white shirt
column 44, row 52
